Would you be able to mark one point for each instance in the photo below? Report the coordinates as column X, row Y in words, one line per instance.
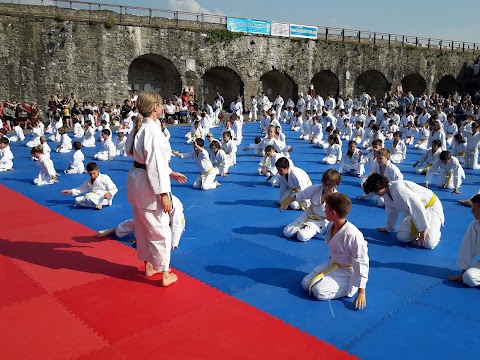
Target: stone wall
column 51, row 50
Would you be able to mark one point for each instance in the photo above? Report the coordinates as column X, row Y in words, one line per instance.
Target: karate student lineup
column 448, row 144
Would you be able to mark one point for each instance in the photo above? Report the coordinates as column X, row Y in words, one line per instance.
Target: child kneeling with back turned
column 346, row 271
column 470, row 247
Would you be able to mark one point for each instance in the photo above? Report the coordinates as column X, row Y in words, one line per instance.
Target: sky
column 459, row 20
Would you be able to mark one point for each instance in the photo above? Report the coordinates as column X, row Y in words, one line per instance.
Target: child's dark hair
column 459, row 138
column 106, row 132
column 200, row 142
column 475, row 199
column 91, row 166
column 282, row 163
column 375, row 127
column 4, row 140
column 228, row 134
column 340, row 203
column 215, row 144
column 445, row 155
column 329, row 129
column 333, row 176
column 257, row 140
column 437, row 142
column 268, row 148
column 333, row 138
column 3, row 131
column 397, row 133
column 374, row 183
column 77, row 145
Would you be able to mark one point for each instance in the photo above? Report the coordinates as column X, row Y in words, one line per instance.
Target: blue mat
column 234, row 241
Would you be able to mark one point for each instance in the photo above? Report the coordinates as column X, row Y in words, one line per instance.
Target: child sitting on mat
column 346, row 271
column 99, row 189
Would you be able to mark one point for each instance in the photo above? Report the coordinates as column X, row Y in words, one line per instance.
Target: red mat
column 67, row 295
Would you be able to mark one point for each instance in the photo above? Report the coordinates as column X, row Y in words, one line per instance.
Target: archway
column 153, row 72
column 373, row 82
column 326, row 83
column 447, row 85
column 414, row 83
column 224, row 80
column 275, row 82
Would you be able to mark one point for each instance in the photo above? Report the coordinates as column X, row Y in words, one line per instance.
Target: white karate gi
column 78, row 130
column 177, row 223
column 46, row 149
column 76, row 164
column 95, row 193
column 120, row 146
column 65, row 144
column 220, row 161
column 206, row 179
column 36, row 133
column 427, row 158
column 423, row 139
column 144, row 186
column 268, row 163
column 108, row 152
column 420, row 205
column 392, row 173
column 297, row 180
column 313, row 220
column 316, row 133
column 352, row 164
column 333, row 154
column 349, row 251
column 278, row 106
column 47, row 171
column 450, row 175
column 398, row 153
column 18, row 134
column 89, row 137
column 230, row 149
column 6, row 159
column 459, row 150
column 253, row 110
column 470, row 247
column 440, row 135
column 471, row 156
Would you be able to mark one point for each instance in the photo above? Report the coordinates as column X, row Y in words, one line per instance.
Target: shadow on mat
column 283, row 278
column 68, row 256
column 253, row 230
column 259, row 203
column 427, row 270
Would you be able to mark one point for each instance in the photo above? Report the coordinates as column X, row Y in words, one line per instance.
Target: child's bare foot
column 149, row 271
column 465, row 203
column 98, row 207
column 217, row 183
column 168, row 278
column 105, row 232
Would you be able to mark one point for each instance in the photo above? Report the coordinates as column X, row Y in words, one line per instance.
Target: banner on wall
column 303, row 31
column 280, row 29
column 248, row 26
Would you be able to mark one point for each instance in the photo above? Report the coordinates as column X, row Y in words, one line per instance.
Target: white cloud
column 191, row 6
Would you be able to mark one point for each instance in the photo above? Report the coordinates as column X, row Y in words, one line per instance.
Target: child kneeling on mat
column 346, row 271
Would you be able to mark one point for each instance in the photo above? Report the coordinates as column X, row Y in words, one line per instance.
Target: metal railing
column 126, row 15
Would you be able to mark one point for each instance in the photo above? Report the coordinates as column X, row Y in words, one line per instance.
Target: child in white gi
column 219, row 158
column 292, row 180
column 206, row 179
column 47, row 174
column 65, row 142
column 334, row 151
column 473, row 141
column 398, row 149
column 423, row 137
column 346, row 271
column 316, row 133
column 230, row 147
column 459, row 147
column 57, row 124
column 99, row 189
column 351, row 163
column 76, row 164
column 313, row 220
column 423, row 219
column 119, row 143
column 450, row 172
column 78, row 130
column 89, row 135
column 6, row 155
column 36, row 133
column 469, row 249
column 266, row 167
column 18, row 133
column 410, row 131
column 109, row 150
column 46, row 148
column 429, row 157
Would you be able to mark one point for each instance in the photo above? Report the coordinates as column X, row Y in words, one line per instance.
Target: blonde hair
column 37, row 150
column 145, row 104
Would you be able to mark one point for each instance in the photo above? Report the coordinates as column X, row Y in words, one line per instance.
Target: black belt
column 139, row 166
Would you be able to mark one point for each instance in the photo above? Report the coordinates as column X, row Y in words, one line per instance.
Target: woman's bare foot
column 149, row 271
column 168, row 278
column 105, row 232
column 98, row 207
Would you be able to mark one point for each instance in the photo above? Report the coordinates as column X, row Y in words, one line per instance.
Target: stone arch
column 224, row 80
column 373, row 82
column 152, row 72
column 414, row 83
column 326, row 83
column 275, row 82
column 447, row 85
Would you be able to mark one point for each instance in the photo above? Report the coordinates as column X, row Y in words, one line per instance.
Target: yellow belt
column 319, row 277
column 461, row 154
column 421, row 141
column 206, row 172
column 294, row 191
column 414, row 230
